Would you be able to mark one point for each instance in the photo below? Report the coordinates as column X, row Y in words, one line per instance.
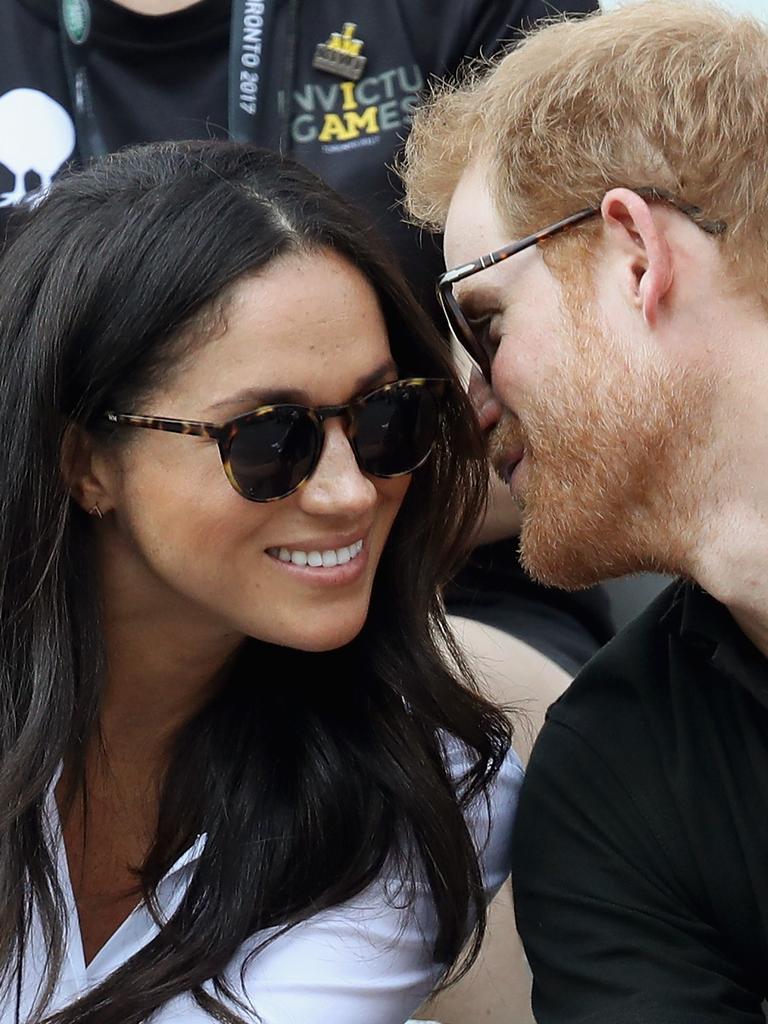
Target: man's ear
column 631, row 228
column 84, row 470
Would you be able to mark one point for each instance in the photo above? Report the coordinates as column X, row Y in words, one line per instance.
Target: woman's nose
column 338, row 486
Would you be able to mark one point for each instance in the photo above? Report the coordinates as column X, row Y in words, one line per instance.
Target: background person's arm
column 497, row 990
column 502, row 515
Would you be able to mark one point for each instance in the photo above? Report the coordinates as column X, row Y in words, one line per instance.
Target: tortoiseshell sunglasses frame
column 454, row 315
column 225, row 433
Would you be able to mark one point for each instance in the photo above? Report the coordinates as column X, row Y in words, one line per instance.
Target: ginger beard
column 615, row 452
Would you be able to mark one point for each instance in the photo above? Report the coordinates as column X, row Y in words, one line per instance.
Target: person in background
column 605, row 205
column 240, row 778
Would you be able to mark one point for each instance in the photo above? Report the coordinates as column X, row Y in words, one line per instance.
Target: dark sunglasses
column 474, row 342
column 268, row 453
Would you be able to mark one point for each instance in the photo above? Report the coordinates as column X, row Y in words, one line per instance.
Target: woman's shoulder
column 459, row 758
column 371, row 957
column 490, row 818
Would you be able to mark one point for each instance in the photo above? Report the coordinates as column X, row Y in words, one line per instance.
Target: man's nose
column 487, row 407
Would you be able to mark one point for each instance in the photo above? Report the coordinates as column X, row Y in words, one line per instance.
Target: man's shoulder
column 633, row 678
column 613, row 743
column 642, row 644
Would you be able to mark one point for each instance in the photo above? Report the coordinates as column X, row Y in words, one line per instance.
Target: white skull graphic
column 36, row 134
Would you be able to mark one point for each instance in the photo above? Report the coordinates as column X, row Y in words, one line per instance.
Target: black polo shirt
column 641, row 852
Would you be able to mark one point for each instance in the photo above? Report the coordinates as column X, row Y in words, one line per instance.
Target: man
column 627, row 343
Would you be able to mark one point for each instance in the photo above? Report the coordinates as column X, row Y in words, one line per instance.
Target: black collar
column 707, row 628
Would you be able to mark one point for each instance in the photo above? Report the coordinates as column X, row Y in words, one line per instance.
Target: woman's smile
column 328, row 562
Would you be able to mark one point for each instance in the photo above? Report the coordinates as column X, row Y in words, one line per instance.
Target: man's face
column 598, row 431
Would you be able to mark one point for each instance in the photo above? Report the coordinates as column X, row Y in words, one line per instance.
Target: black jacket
column 155, row 78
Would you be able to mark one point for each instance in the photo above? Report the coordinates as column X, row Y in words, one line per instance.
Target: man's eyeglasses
column 475, row 343
column 269, row 453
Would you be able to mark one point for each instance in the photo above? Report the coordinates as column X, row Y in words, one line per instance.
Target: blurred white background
column 759, row 7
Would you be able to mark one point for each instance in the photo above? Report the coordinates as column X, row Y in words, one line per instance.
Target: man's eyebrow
column 476, row 299
column 252, row 397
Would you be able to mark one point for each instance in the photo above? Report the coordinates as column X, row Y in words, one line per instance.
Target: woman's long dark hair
column 307, row 771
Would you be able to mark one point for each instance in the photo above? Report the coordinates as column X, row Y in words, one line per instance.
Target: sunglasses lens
column 396, row 429
column 272, row 455
column 465, row 335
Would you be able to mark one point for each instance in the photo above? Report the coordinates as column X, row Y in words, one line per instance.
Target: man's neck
column 730, row 557
column 734, row 568
column 755, row 628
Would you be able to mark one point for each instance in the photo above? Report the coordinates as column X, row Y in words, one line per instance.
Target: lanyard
column 249, row 43
column 74, row 29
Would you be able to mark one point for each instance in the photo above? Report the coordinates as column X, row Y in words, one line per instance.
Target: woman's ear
column 84, row 472
column 640, row 243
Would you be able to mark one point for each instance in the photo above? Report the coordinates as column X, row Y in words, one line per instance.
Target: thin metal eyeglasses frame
column 457, row 321
column 225, row 433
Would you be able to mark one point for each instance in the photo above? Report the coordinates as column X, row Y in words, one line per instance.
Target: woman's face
column 307, row 329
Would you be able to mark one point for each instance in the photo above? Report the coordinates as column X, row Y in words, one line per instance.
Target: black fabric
column 641, row 842
column 155, row 78
column 567, row 627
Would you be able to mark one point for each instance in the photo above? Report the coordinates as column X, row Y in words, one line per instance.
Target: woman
column 238, row 781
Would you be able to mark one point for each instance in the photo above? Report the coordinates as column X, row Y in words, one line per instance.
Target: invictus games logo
column 76, row 15
column 341, row 54
column 347, row 115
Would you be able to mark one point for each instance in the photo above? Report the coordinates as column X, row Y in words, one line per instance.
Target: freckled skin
column 609, row 483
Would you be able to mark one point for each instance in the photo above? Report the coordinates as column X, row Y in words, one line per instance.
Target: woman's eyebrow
column 255, row 397
column 377, row 377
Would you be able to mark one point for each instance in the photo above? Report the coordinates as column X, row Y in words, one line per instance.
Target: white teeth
column 316, row 559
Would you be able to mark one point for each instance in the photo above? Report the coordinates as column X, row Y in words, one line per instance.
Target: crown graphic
column 345, row 40
column 340, row 55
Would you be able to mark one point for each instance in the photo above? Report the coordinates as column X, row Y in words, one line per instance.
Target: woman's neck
column 167, row 653
column 151, row 693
